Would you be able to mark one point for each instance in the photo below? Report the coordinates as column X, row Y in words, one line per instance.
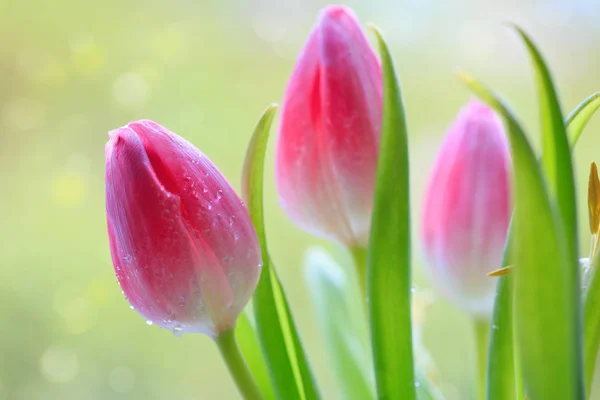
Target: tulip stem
column 359, row 256
column 237, row 365
column 482, row 333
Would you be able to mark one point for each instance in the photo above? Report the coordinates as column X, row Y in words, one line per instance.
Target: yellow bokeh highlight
column 68, row 189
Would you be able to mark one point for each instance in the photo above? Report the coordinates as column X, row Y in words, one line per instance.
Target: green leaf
column 336, row 315
column 591, row 317
column 501, row 363
column 388, row 259
column 576, row 122
column 557, row 163
column 558, row 168
column 245, row 334
column 581, row 115
column 281, row 346
column 545, row 305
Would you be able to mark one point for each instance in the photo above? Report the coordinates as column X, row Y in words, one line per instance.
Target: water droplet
column 204, row 189
column 180, row 301
column 495, row 327
column 127, row 258
column 236, row 235
column 149, row 323
column 232, row 220
column 417, row 384
column 132, row 307
column 219, row 194
column 210, row 205
column 177, row 331
column 412, row 290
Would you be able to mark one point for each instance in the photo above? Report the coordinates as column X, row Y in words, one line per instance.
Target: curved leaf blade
column 281, row 346
column 581, row 115
column 501, row 363
column 558, row 168
column 544, row 310
column 388, row 259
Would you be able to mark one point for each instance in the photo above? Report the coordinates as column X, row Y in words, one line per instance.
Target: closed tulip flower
column 183, row 247
column 467, row 209
column 326, row 154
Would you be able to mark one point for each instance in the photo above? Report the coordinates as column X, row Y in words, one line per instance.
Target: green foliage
column 285, row 358
column 388, row 259
column 546, row 306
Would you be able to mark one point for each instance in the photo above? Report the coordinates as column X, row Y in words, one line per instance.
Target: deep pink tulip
column 184, row 249
column 467, row 209
column 329, row 134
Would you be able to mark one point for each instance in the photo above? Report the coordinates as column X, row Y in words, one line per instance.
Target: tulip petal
column 154, row 254
column 329, row 132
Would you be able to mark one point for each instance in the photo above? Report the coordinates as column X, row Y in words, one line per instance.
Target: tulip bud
column 183, row 246
column 467, row 209
column 328, row 141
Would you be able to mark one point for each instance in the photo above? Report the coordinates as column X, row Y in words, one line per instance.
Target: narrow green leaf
column 501, row 363
column 581, row 115
column 245, row 334
column 556, row 157
column 558, row 168
column 388, row 259
column 281, row 346
column 576, row 122
column 328, row 288
column 545, row 307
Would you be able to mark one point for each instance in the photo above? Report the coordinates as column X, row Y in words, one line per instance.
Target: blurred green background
column 72, row 70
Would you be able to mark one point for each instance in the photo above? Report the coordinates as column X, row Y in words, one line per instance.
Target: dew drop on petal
column 149, row 323
column 177, row 331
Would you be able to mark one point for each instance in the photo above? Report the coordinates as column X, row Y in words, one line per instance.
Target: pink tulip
column 467, row 209
column 329, row 134
column 184, row 249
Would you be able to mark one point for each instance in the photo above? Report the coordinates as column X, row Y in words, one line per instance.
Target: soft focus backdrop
column 72, row 70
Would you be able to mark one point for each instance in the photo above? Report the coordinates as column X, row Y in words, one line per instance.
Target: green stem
column 482, row 331
column 237, row 366
column 359, row 256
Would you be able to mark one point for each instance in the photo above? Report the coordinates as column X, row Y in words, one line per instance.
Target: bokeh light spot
column 68, row 189
column 131, row 90
column 59, row 365
column 87, row 57
column 269, row 27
